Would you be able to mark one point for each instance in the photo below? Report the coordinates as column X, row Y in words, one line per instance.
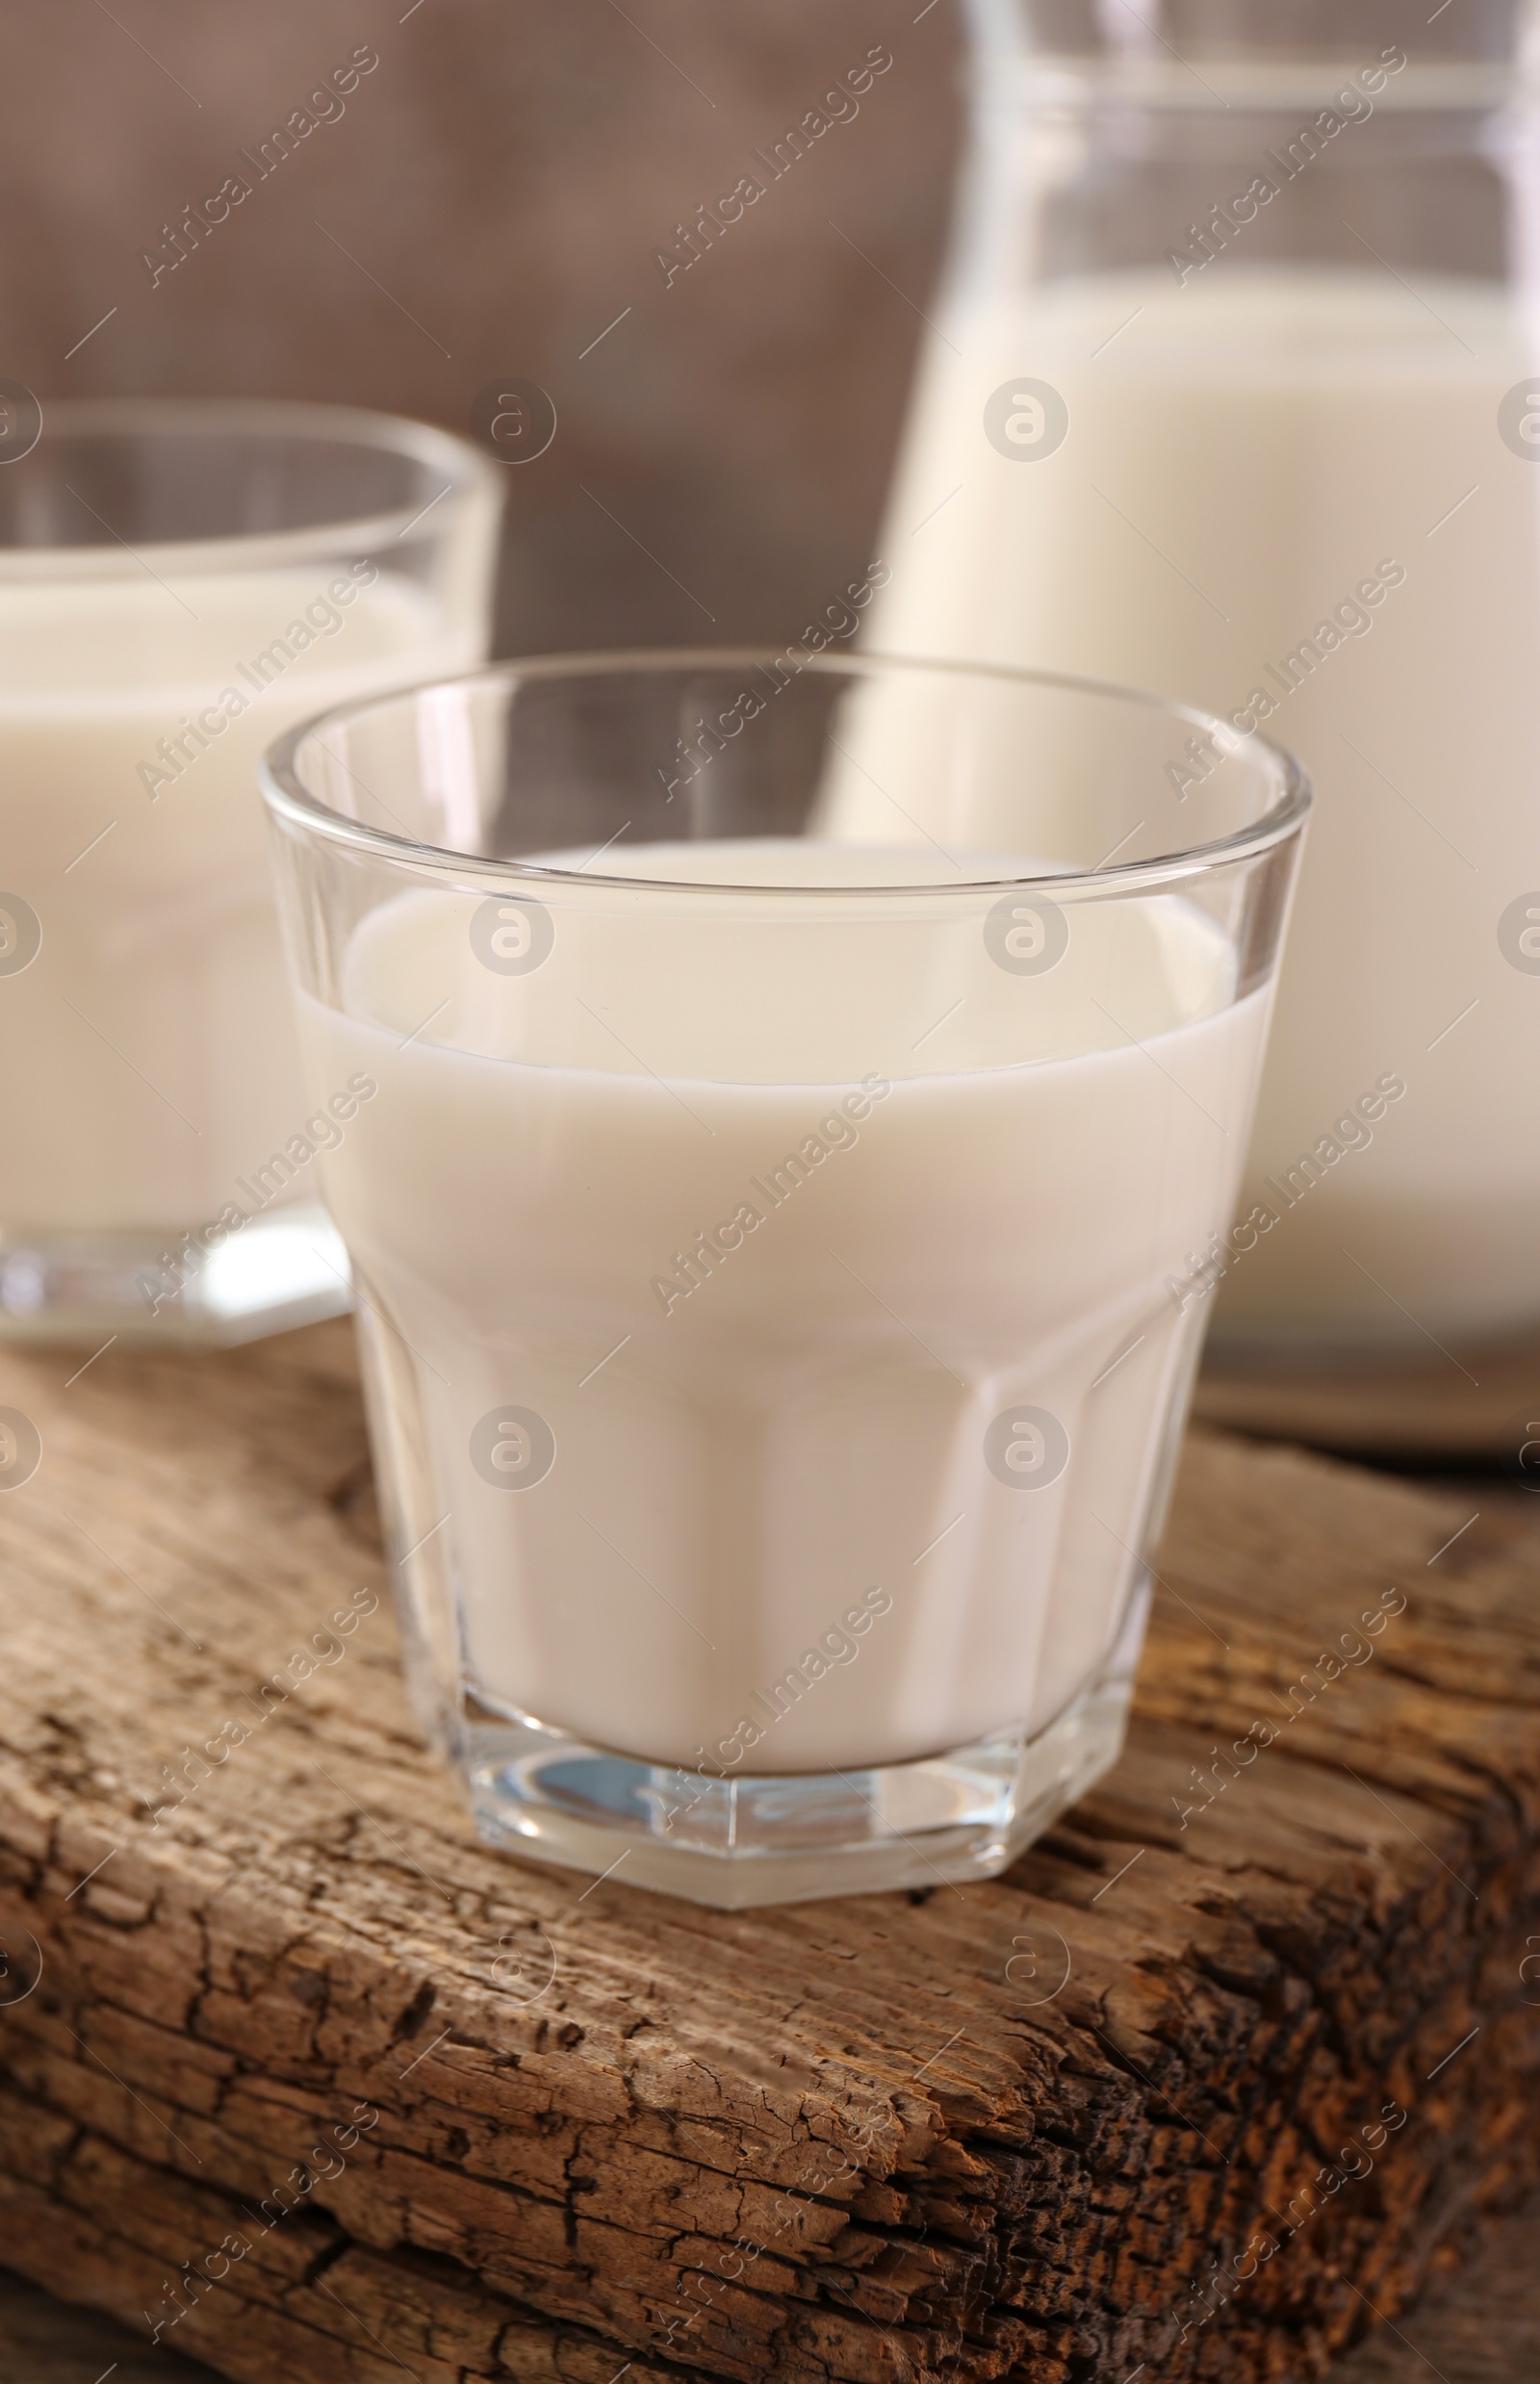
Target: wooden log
column 307, row 2079
column 1481, row 2327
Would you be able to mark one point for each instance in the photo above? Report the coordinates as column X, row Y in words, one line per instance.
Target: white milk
column 146, row 1056
column 987, row 1210
column 1243, row 454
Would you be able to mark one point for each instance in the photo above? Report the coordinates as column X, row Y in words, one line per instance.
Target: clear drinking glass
column 770, row 1226
column 1231, row 386
column 179, row 580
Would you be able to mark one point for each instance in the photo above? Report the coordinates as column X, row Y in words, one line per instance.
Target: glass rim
column 468, row 475
column 289, row 800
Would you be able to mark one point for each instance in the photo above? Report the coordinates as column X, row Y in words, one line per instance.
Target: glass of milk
column 179, row 580
column 1231, row 386
column 771, row 1238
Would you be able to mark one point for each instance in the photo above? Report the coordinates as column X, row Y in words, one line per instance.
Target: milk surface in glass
column 1283, row 495
column 149, row 1061
column 758, row 1227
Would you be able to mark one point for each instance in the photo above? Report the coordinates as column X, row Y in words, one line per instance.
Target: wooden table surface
column 1477, row 1405
column 1341, row 1928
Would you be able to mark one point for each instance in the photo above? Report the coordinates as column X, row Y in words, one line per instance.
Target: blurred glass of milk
column 179, row 580
column 1230, row 392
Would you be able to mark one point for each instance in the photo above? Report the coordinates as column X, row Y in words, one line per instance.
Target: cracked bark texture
column 846, row 2140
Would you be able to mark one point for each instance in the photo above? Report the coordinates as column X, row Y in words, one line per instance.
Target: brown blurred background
column 504, row 175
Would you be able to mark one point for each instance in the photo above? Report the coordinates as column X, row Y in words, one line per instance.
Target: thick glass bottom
column 282, row 1270
column 786, row 1838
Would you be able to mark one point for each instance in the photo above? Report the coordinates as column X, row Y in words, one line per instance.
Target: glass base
column 784, row 1838
column 282, row 1270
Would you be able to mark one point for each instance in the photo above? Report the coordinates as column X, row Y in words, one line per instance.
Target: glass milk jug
column 1231, row 392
